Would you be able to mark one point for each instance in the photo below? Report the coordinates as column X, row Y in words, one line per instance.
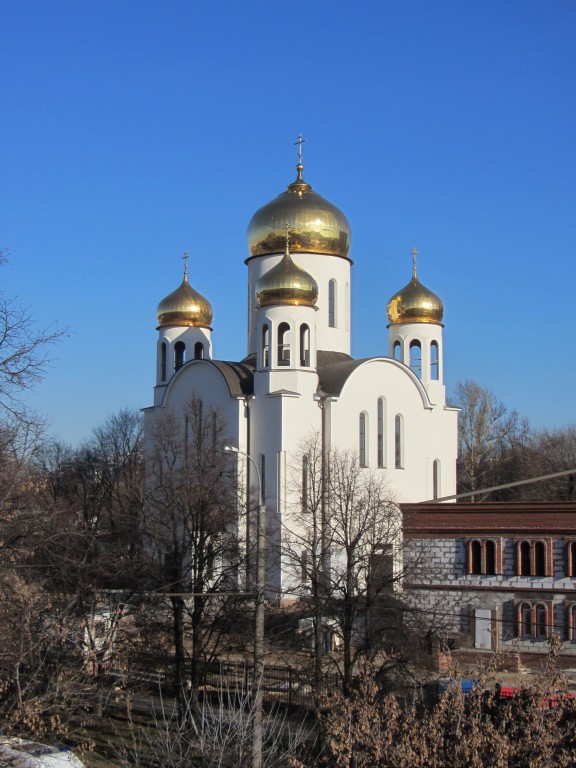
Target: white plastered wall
column 323, row 268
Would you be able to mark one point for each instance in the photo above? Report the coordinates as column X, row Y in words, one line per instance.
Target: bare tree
column 23, row 351
column 346, row 544
column 191, row 530
column 488, row 433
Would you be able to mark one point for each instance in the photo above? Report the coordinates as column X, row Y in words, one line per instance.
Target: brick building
column 502, row 574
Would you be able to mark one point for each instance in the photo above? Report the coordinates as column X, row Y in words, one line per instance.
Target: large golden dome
column 185, row 307
column 316, row 226
column 415, row 304
column 286, row 283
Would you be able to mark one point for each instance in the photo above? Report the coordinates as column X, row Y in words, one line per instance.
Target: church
column 297, row 378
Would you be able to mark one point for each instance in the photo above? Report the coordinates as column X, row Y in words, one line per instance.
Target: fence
column 282, row 684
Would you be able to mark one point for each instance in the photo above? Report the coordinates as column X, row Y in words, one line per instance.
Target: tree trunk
column 179, row 657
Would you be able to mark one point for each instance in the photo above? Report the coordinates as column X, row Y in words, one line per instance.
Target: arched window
column 163, row 358
column 398, row 442
column 362, row 453
column 540, row 621
column 305, row 346
column 381, row 433
column 283, row 344
column 179, row 355
column 265, row 346
column 397, row 351
column 475, row 557
column 416, row 358
column 525, row 620
column 332, row 304
column 347, row 307
column 490, row 569
column 435, row 479
column 434, row 361
column 198, row 351
column 539, row 559
column 524, row 558
column 304, row 483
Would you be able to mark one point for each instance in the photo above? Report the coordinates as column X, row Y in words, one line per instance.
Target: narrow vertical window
column 198, row 351
column 525, row 616
column 398, row 439
column 332, row 303
column 283, row 344
column 490, row 568
column 435, row 479
column 179, row 353
column 539, row 559
column 305, row 346
column 265, row 346
column 163, row 353
column 572, row 622
column 362, row 440
column 347, row 307
column 540, row 621
column 381, row 433
column 398, row 351
column 572, row 559
column 524, row 558
column 304, row 483
column 434, row 361
column 475, row 557
column 416, row 358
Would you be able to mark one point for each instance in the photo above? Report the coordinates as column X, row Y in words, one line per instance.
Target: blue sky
column 135, row 131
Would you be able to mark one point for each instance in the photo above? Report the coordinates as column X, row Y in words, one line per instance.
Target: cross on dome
column 414, row 253
column 300, row 141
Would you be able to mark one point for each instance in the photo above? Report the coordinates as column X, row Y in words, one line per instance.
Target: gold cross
column 300, row 141
column 414, row 253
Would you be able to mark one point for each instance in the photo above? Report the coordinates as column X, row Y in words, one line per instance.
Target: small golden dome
column 287, row 283
column 185, row 306
column 415, row 304
column 316, row 226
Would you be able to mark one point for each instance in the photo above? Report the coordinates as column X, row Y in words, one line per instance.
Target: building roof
column 519, row 518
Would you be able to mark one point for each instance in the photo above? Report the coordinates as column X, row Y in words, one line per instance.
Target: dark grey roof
column 238, row 376
column 331, row 378
column 326, row 358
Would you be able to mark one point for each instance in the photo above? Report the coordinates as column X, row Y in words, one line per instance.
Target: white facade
column 297, row 378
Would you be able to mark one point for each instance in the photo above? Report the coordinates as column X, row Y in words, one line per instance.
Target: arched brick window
column 484, row 557
column 534, row 558
column 535, row 620
column 490, row 555
column 475, row 557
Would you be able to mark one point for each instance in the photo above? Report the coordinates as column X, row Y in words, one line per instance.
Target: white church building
column 297, row 377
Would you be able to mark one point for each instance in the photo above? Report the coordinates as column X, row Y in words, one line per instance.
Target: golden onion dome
column 185, row 306
column 316, row 225
column 286, row 283
column 415, row 304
